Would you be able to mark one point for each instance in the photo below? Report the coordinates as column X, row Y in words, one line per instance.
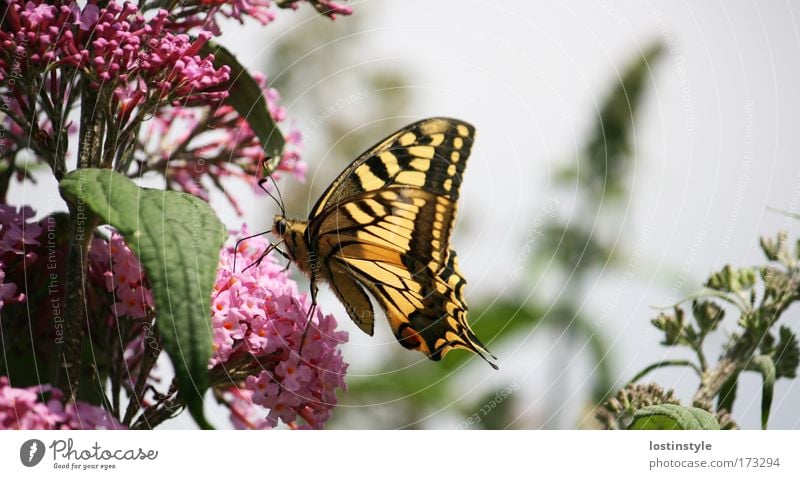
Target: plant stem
column 69, row 358
column 89, row 141
column 152, row 349
column 81, row 225
column 701, row 357
column 739, row 354
column 713, row 380
column 661, row 364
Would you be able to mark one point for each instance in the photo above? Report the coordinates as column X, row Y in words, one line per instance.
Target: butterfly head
column 292, row 233
column 280, row 226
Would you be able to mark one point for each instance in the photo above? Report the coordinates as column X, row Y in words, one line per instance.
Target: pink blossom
column 295, row 365
column 37, row 14
column 81, row 415
column 294, row 375
column 208, row 12
column 114, row 44
column 88, row 17
column 122, row 275
column 8, row 291
column 15, row 230
column 17, row 237
column 244, row 414
column 328, row 8
column 24, row 408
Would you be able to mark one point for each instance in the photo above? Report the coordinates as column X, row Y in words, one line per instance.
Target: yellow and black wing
column 384, row 227
column 424, row 155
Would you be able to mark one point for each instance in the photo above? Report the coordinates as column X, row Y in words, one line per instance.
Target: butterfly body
column 383, row 227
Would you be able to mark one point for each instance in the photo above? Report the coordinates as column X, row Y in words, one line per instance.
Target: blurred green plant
column 760, row 295
column 344, row 109
column 600, row 181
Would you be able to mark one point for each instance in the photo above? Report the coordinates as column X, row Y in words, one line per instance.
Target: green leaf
column 585, row 330
column 764, row 364
column 177, row 237
column 786, row 354
column 676, row 331
column 770, row 247
column 732, row 280
column 427, row 384
column 707, row 314
column 495, row 410
column 727, row 395
column 606, row 161
column 246, row 97
column 673, row 417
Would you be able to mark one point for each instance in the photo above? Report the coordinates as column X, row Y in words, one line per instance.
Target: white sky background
column 718, row 141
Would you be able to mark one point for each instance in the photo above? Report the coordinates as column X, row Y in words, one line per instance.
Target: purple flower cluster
column 114, row 45
column 206, row 13
column 122, row 276
column 42, row 407
column 151, row 101
column 294, row 363
column 17, row 236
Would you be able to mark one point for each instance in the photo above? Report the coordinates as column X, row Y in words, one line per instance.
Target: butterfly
column 383, row 227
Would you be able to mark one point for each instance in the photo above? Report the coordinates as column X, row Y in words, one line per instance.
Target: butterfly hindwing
column 355, row 300
column 426, row 311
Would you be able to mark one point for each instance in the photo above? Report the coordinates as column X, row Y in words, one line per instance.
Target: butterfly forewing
column 430, row 154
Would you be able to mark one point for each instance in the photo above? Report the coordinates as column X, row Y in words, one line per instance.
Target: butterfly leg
column 311, row 310
column 257, row 263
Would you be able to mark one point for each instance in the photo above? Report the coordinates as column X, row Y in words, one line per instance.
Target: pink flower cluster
column 221, row 146
column 259, row 316
column 328, row 8
column 25, row 408
column 206, row 14
column 117, row 268
column 17, row 236
column 112, row 264
column 122, row 276
column 115, row 44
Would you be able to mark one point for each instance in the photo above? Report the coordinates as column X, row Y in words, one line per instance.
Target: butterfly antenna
column 269, row 177
column 274, row 198
column 280, row 196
